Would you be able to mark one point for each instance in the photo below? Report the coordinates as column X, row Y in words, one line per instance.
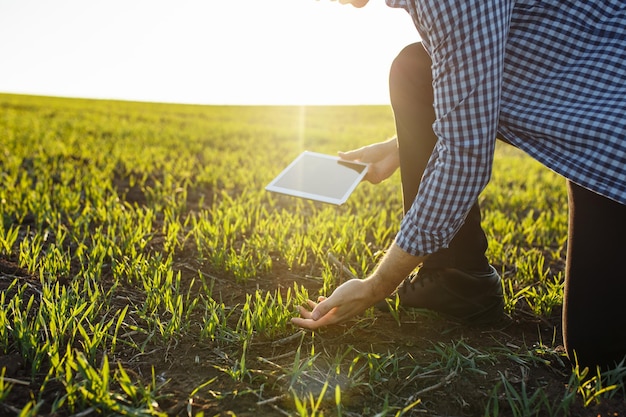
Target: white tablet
column 319, row 177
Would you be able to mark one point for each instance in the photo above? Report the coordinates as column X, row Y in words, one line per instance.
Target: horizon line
column 192, row 102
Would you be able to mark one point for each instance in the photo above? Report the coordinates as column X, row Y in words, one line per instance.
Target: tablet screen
column 319, row 177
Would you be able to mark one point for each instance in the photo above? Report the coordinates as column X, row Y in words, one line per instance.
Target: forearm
column 394, row 267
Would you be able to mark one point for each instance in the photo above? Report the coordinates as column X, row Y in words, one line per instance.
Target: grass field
column 144, row 271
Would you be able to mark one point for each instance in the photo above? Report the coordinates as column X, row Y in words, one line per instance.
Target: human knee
column 411, row 70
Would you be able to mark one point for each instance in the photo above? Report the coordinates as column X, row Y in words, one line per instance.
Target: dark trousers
column 594, row 308
column 594, row 327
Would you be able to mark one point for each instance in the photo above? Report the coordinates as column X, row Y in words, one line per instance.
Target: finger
column 354, row 155
column 322, row 308
column 305, row 323
column 320, row 299
column 373, row 175
column 304, row 313
column 312, row 324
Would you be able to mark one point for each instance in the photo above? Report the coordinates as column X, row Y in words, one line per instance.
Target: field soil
column 453, row 390
column 109, row 200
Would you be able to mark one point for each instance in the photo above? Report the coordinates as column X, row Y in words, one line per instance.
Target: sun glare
column 209, row 52
column 301, row 127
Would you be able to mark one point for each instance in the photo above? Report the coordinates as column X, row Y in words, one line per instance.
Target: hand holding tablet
column 319, row 177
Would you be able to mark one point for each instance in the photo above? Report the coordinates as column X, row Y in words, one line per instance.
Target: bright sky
column 202, row 51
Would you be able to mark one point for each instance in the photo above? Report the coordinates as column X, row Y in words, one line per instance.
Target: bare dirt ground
column 450, row 390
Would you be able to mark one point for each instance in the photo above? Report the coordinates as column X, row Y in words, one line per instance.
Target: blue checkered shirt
column 548, row 76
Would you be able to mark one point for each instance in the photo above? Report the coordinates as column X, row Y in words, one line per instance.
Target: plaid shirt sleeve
column 466, row 40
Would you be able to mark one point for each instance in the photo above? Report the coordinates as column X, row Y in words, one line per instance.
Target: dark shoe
column 474, row 298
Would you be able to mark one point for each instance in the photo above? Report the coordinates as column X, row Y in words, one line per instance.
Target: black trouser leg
column 594, row 312
column 411, row 93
